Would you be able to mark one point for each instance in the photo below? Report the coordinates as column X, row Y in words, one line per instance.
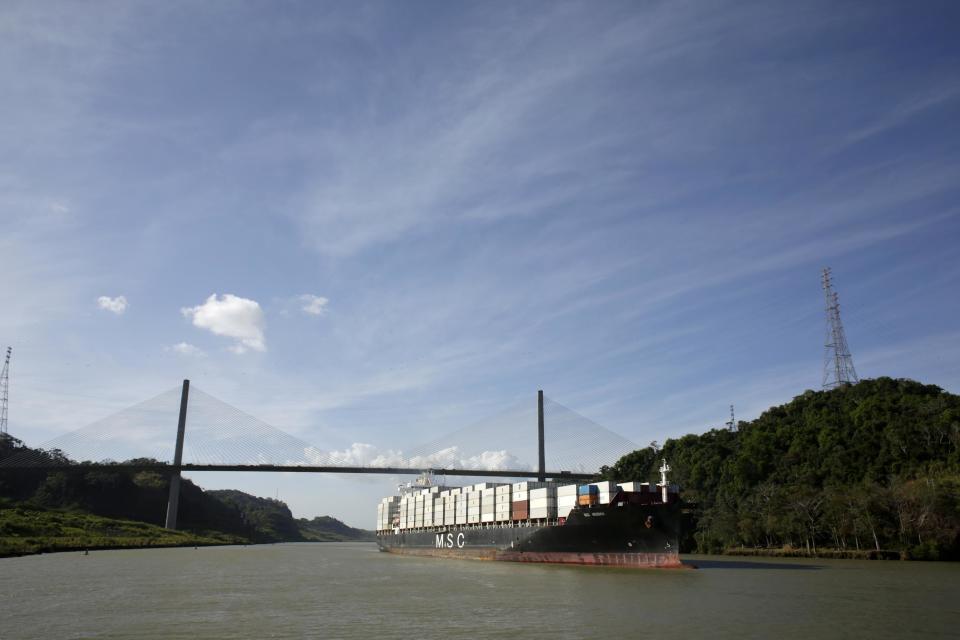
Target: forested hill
column 327, row 529
column 871, row 465
column 271, row 518
column 142, row 496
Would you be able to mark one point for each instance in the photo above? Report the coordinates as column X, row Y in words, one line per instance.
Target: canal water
column 349, row 590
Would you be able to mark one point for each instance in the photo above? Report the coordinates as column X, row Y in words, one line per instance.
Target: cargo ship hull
column 619, row 534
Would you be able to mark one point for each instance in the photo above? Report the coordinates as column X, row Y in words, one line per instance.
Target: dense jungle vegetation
column 870, row 466
column 83, row 507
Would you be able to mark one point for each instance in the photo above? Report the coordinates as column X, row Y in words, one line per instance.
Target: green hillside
column 874, row 465
column 327, row 529
column 82, row 507
column 269, row 519
column 25, row 530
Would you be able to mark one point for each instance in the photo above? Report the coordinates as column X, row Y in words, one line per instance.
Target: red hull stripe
column 635, row 560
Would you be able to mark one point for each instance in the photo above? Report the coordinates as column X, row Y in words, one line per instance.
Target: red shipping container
column 520, row 510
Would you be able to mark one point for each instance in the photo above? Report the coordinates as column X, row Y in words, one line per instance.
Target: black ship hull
column 618, row 534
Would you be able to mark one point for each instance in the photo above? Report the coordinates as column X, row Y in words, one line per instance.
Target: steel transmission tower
column 4, row 391
column 837, row 362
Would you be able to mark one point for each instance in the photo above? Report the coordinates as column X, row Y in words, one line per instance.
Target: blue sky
column 412, row 215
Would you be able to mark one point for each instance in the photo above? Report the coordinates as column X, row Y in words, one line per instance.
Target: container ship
column 625, row 524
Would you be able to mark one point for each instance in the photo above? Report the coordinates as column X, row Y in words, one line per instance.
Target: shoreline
column 5, row 551
column 828, row 554
column 34, row 549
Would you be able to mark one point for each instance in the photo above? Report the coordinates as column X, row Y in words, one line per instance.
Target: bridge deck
column 556, row 475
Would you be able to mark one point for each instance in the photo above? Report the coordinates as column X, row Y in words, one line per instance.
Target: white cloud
column 186, row 349
column 114, row 305
column 314, row 305
column 361, row 454
column 231, row 316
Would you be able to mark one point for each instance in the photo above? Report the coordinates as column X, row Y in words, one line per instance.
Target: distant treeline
column 142, row 496
column 874, row 465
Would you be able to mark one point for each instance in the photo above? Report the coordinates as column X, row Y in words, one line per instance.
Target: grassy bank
column 25, row 530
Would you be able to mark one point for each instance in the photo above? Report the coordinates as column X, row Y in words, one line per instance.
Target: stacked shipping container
column 387, row 511
column 566, row 500
column 486, row 503
column 502, row 503
column 543, row 503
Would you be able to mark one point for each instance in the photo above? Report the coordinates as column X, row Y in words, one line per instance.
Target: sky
column 369, row 224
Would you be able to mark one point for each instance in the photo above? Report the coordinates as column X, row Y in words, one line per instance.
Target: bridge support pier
column 542, row 469
column 173, row 502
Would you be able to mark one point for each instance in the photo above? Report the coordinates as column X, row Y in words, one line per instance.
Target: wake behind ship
column 627, row 524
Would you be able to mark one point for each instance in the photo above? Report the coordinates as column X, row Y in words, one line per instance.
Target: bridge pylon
column 173, row 502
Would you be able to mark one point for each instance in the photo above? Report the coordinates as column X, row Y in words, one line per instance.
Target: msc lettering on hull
column 448, row 541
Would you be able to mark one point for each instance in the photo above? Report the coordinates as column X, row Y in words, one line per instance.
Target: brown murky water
column 352, row 591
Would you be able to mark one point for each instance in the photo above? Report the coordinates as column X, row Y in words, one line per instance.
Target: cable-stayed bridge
column 186, row 429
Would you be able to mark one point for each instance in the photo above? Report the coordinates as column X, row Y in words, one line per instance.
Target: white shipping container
column 486, row 517
column 528, row 485
column 605, row 487
column 542, row 502
column 543, row 492
column 543, row 512
column 519, row 496
column 503, row 489
column 565, row 505
column 488, row 500
column 567, row 490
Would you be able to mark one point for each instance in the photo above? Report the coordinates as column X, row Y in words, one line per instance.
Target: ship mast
column 663, row 484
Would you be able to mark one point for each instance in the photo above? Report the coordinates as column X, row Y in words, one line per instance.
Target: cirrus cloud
column 233, row 317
